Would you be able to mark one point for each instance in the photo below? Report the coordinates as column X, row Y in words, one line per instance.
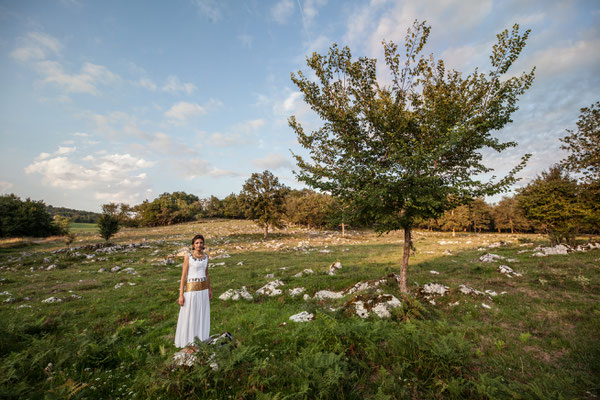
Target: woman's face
column 198, row 244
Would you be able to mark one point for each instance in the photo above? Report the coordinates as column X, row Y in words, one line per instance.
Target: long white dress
column 194, row 315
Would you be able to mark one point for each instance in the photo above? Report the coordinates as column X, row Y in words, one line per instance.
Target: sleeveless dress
column 194, row 315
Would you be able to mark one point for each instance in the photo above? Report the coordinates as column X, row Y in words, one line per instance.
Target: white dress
column 194, row 315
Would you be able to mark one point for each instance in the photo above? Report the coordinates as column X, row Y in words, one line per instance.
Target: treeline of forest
column 553, row 202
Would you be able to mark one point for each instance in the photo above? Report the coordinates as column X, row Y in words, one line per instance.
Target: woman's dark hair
column 197, row 237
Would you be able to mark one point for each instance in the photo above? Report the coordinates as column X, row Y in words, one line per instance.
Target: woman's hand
column 181, row 300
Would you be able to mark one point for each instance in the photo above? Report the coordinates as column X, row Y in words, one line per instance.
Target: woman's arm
column 208, row 280
column 184, row 272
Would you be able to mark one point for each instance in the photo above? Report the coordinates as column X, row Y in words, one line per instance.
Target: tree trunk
column 498, row 230
column 453, row 232
column 343, row 229
column 405, row 257
column 266, row 230
column 511, row 225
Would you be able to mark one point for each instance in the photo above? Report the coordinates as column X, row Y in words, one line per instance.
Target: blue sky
column 124, row 100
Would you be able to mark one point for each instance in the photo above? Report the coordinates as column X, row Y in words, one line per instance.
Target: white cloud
column 5, row 186
column 209, row 8
column 197, row 167
column 273, row 161
column 147, row 84
column 311, row 9
column 86, row 81
column 225, row 140
column 182, row 111
column 112, row 176
column 174, row 85
column 36, row 46
column 81, row 134
column 282, row 11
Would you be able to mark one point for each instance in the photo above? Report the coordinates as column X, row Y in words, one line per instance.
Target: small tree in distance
column 263, row 198
column 108, row 225
column 410, row 150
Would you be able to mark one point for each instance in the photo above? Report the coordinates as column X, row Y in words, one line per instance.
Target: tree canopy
column 412, row 148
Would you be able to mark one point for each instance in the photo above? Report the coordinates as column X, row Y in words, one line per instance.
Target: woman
column 194, row 295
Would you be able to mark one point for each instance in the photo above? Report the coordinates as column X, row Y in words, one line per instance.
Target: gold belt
column 196, row 286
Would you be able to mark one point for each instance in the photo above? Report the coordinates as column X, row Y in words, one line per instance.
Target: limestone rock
column 333, row 268
column 490, row 257
column 52, row 300
column 328, row 294
column 270, row 289
column 296, row 291
column 303, row 316
column 116, row 268
column 236, row 294
column 508, row 271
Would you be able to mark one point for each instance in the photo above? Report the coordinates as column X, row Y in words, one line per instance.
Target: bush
column 108, row 225
column 25, row 218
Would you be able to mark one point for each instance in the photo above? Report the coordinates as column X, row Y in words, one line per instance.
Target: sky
column 120, row 101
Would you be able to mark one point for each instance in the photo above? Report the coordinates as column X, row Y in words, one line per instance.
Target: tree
column 456, row 219
column 263, row 198
column 480, row 215
column 108, row 225
column 25, row 218
column 411, row 149
column 583, row 144
column 308, row 208
column 509, row 215
column 232, row 207
column 553, row 200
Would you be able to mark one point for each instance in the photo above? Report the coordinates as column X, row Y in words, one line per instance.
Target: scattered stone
column 76, row 297
column 270, row 289
column 5, row 293
column 434, row 272
column 240, row 263
column 486, row 306
column 236, row 294
column 306, row 297
column 325, row 251
column 492, row 293
column 224, row 255
column 130, row 270
column 212, row 265
column 364, row 285
column 131, row 283
column 118, row 285
column 10, row 300
column 508, row 271
column 559, row 249
column 269, row 276
column 464, row 289
column 328, row 294
column 381, row 305
column 447, row 252
column 116, row 268
column 47, row 260
column 296, row 291
column 24, row 306
column 513, row 260
column 52, row 300
column 489, row 257
column 102, row 269
column 434, row 289
column 445, row 242
column 333, row 268
column 168, row 261
column 307, row 271
column 499, row 244
column 181, row 358
column 304, row 316
column 454, row 304
column 587, row 247
column 51, row 267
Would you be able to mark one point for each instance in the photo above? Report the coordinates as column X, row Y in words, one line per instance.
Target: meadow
column 534, row 336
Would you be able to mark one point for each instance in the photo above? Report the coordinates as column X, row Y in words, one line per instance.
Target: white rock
column 498, row 244
column 508, row 271
column 434, row 272
column 116, row 268
column 328, row 294
column 303, row 316
column 306, row 297
column 489, row 257
column 383, row 308
column 447, row 252
column 52, row 300
column 10, row 300
column 333, row 268
column 102, row 269
column 118, row 285
column 464, row 289
column 559, row 249
column 361, row 311
column 364, row 285
column 130, row 270
column 486, row 306
column 76, row 296
column 181, row 358
column 240, row 263
column 236, row 294
column 270, row 289
column 131, row 283
column 51, row 267
column 24, row 306
column 5, row 293
column 270, row 276
column 297, row 291
column 434, row 289
column 491, row 293
column 454, row 304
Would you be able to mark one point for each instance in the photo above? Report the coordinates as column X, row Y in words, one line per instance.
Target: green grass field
column 538, row 340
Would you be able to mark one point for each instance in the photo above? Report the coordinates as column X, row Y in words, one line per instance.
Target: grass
column 538, row 340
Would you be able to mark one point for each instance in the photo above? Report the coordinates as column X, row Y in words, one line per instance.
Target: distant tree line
column 80, row 216
column 26, row 218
